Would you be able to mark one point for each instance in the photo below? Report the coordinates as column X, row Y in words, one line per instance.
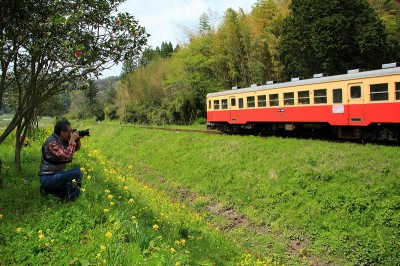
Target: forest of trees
column 277, row 40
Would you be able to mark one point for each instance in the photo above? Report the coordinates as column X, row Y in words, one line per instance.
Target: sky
column 164, row 20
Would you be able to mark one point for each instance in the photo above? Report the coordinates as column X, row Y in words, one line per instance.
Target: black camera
column 82, row 133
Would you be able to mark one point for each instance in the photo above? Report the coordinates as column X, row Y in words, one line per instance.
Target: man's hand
column 74, row 136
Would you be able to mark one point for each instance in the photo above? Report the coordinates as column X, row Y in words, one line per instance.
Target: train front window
column 216, row 104
column 288, row 98
column 273, row 100
column 320, row 96
column 379, row 92
column 303, row 97
column 262, row 100
column 397, row 90
column 337, row 96
column 355, row 92
column 224, row 103
column 241, row 103
column 251, row 102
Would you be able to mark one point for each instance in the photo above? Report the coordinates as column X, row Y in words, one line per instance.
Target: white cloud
column 163, row 20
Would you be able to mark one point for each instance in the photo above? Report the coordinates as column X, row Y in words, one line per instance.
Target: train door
column 233, row 109
column 355, row 103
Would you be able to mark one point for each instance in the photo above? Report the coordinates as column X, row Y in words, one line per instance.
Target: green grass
column 232, row 199
column 330, row 201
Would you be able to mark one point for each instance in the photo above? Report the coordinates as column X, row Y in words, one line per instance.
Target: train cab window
column 337, row 96
column 224, row 103
column 303, row 97
column 355, row 92
column 379, row 92
column 209, row 104
column 241, row 103
column 261, row 100
column 251, row 102
column 320, row 96
column 216, row 104
column 397, row 88
column 233, row 102
column 273, row 100
column 288, row 98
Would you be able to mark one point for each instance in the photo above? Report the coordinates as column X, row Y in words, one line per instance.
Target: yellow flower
column 130, row 200
column 178, row 263
column 130, row 166
column 82, row 169
column 47, row 244
column 160, row 237
column 172, row 250
column 107, row 191
column 74, row 181
column 108, row 235
column 183, row 242
column 111, row 203
column 19, row 229
column 110, row 196
column 102, row 247
column 125, row 187
column 83, row 190
column 40, row 232
column 187, row 252
column 41, row 236
column 106, row 210
column 1, row 216
column 104, row 261
column 98, row 255
column 155, row 227
column 89, row 177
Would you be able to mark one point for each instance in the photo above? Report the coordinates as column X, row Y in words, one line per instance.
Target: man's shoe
column 43, row 192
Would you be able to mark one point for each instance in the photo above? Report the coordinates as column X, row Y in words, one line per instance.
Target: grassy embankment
column 118, row 220
column 287, row 200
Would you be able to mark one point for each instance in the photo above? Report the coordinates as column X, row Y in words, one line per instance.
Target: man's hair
column 61, row 125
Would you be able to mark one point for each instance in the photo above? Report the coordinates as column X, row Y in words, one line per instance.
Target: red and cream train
column 357, row 105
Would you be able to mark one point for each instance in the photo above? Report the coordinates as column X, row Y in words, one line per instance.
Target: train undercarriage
column 373, row 133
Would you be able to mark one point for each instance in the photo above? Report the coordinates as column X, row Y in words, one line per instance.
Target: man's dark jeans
column 66, row 185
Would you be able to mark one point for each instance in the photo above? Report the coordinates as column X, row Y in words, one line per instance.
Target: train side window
column 216, row 104
column 337, row 96
column 241, row 103
column 224, row 103
column 288, row 98
column 379, row 92
column 273, row 100
column 397, row 88
column 303, row 97
column 262, row 100
column 355, row 92
column 251, row 102
column 209, row 104
column 320, row 96
column 233, row 102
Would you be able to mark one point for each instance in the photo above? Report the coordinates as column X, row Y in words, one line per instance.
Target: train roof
column 316, row 80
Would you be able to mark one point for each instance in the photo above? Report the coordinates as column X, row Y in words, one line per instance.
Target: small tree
column 49, row 46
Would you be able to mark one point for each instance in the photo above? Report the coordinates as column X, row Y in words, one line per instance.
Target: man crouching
column 57, row 151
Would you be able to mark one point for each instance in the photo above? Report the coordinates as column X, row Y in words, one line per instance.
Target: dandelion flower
column 178, row 263
column 125, row 187
column 111, row 203
column 107, row 191
column 19, row 229
column 102, row 247
column 83, row 190
column 89, row 177
column 172, row 250
column 98, row 255
column 106, row 210
column 108, row 234
column 40, row 232
column 131, row 201
column 110, row 196
column 155, row 227
column 47, row 244
column 130, row 167
column 160, row 237
column 187, row 252
column 41, row 236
